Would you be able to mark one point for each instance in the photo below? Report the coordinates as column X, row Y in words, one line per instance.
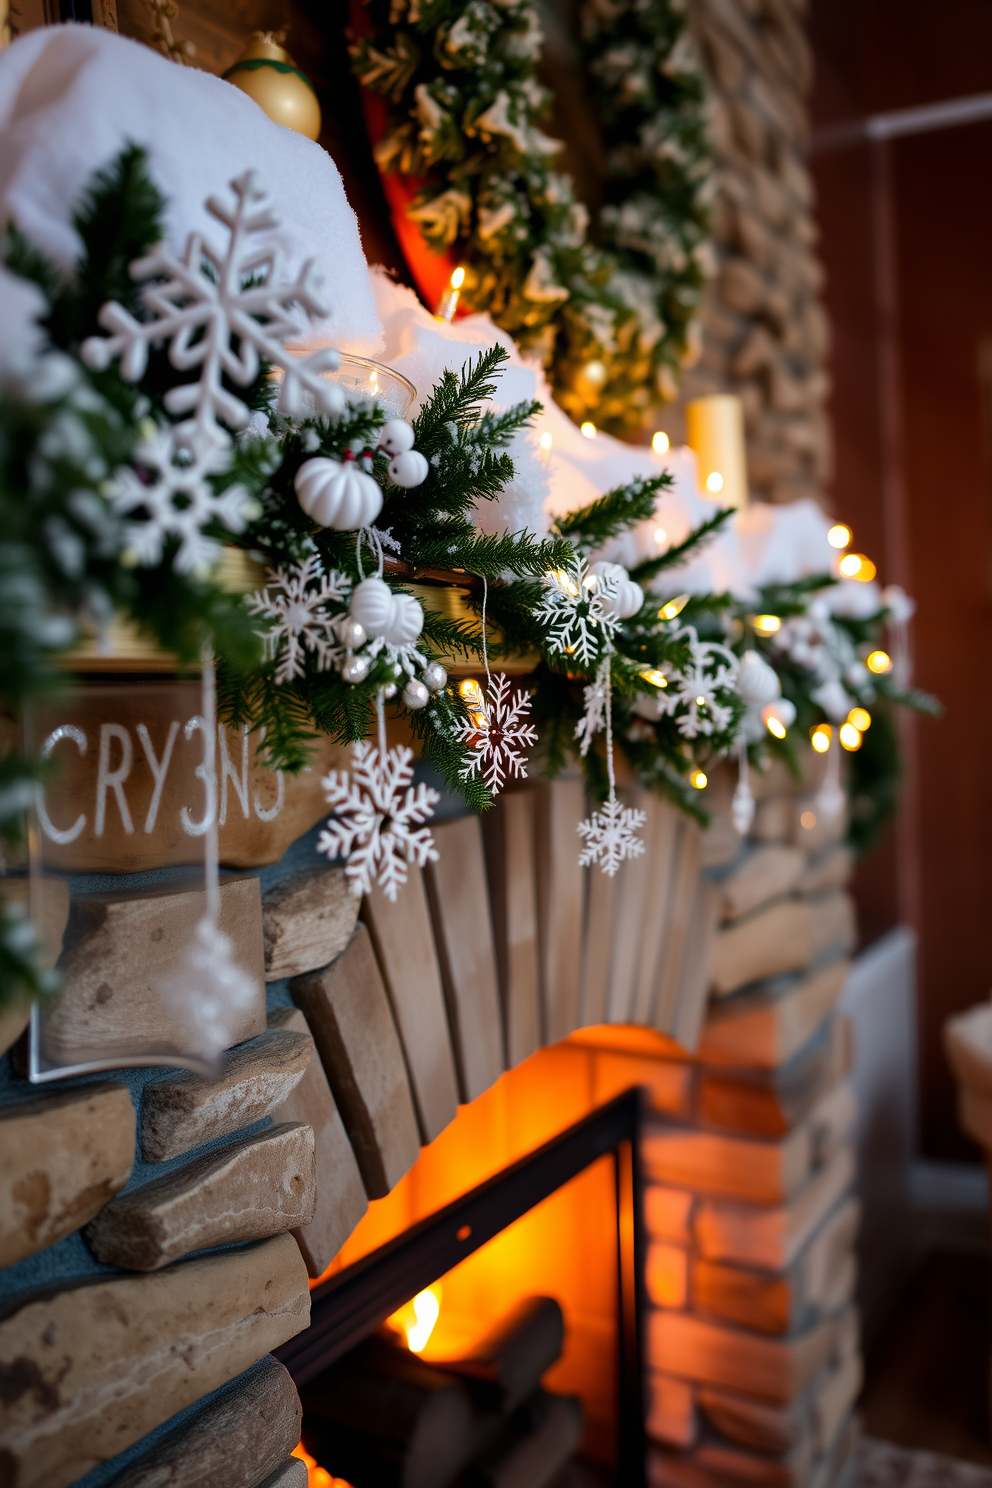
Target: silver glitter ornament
column 355, row 669
column 435, row 677
column 415, row 694
column 351, row 633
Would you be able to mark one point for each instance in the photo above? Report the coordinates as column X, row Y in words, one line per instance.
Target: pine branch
column 591, row 526
column 683, row 551
column 457, row 398
column 492, row 555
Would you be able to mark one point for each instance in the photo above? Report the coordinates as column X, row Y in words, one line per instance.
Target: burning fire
column 317, row 1477
column 416, row 1319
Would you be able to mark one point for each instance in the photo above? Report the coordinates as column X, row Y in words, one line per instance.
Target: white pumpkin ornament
column 338, row 493
column 408, row 469
column 757, row 682
column 628, row 596
column 396, row 437
column 406, row 621
column 372, row 606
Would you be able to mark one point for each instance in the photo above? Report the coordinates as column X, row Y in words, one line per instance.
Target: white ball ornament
column 337, row 494
column 627, row 598
column 408, row 469
column 351, row 633
column 396, row 437
column 355, row 669
column 406, row 622
column 415, row 694
column 372, row 606
column 435, row 677
column 757, row 682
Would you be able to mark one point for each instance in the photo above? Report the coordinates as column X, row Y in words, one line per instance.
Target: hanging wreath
column 607, row 306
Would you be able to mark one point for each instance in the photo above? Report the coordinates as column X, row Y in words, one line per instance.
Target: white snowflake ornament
column 610, row 836
column 595, row 697
column 295, row 602
column 170, row 495
column 377, row 822
column 579, row 608
column 222, row 311
column 495, row 735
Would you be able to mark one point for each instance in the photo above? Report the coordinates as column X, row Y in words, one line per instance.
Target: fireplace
column 507, row 1237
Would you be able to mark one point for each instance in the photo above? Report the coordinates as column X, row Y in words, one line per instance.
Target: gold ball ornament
column 268, row 74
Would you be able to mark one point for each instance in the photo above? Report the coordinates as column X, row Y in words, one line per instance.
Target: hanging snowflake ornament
column 700, row 696
column 377, row 819
column 610, row 836
column 595, row 697
column 222, row 311
column 295, row 602
column 579, row 607
column 495, row 735
column 171, row 495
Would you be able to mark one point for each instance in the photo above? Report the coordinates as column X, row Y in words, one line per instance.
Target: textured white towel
column 72, row 96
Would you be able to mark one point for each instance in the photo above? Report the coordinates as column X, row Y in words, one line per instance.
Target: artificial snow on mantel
column 72, row 96
column 760, row 545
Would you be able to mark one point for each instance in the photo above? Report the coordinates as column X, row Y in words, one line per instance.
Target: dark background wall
column 907, row 243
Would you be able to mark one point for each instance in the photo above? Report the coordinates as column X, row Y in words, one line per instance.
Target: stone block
column 13, row 1021
column 184, row 1110
column 238, row 1440
column 352, row 1025
column 121, row 947
column 341, row 1199
column 307, row 920
column 404, row 948
column 773, row 940
column 458, row 894
column 764, row 873
column 246, row 1190
column 62, row 1157
column 292, row 1474
column 767, row 1028
column 92, row 1369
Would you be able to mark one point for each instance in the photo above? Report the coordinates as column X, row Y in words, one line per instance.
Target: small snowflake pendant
column 610, row 836
column 376, row 822
column 495, row 735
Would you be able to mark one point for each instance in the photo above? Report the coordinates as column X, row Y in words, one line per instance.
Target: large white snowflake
column 610, row 836
column 295, row 602
column 172, row 491
column 223, row 311
column 596, row 696
column 377, row 817
column 495, row 735
column 700, row 695
column 577, row 607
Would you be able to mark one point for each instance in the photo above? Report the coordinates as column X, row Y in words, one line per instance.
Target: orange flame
column 317, row 1476
column 416, row 1319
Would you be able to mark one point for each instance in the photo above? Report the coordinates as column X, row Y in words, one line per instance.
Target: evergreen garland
column 608, row 310
column 68, row 434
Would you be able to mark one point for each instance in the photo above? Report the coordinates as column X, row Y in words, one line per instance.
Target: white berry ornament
column 406, row 621
column 408, row 469
column 338, row 493
column 622, row 597
column 396, row 437
column 372, row 606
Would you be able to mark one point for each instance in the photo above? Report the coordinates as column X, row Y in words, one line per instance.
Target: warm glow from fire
column 317, row 1477
column 416, row 1319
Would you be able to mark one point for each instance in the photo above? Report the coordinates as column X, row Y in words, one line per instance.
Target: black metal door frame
column 350, row 1306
